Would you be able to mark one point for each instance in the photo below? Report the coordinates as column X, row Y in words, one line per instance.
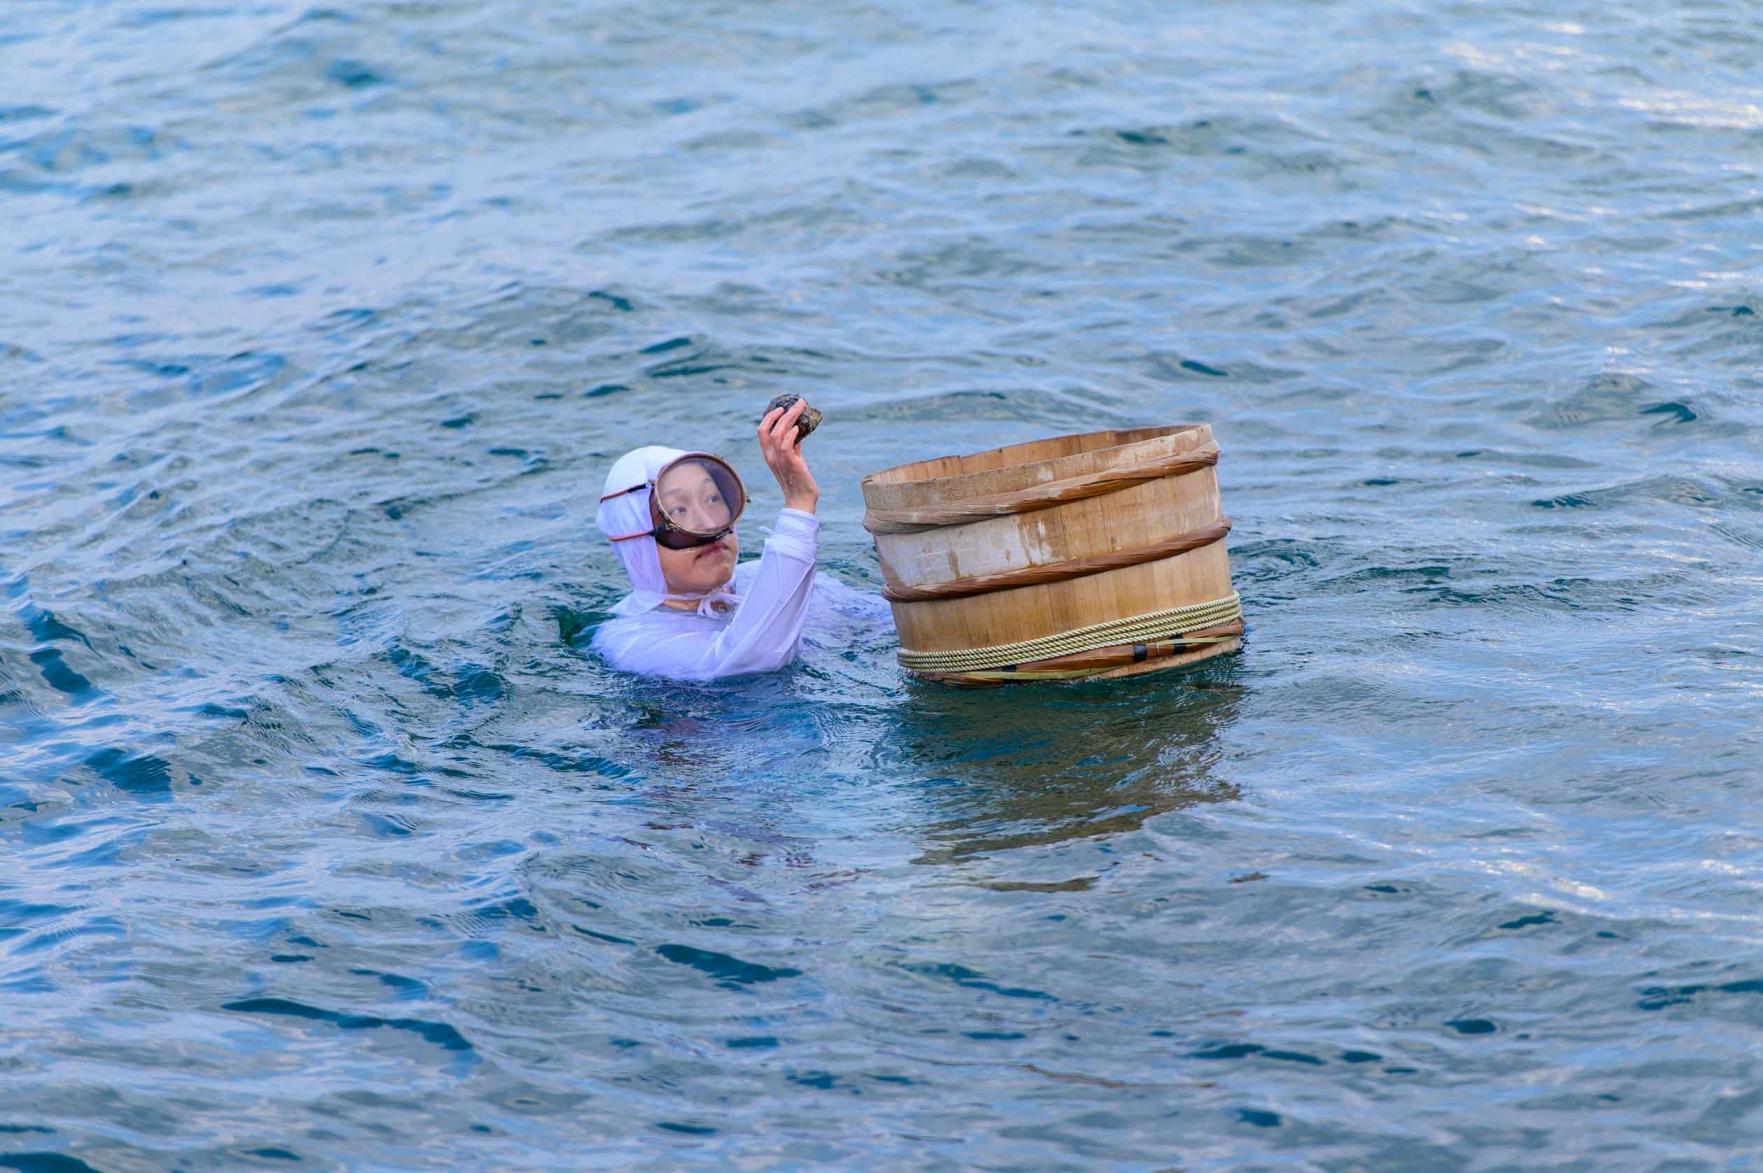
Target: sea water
column 324, row 839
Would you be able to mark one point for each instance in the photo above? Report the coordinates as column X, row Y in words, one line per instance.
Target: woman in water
column 690, row 615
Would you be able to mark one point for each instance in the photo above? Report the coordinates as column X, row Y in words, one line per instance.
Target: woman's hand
column 779, row 444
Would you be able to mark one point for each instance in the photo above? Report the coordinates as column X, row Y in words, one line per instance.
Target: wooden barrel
column 1091, row 555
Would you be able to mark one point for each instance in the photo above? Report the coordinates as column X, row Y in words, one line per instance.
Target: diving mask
column 694, row 500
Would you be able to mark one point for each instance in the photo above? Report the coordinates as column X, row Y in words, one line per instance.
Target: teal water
column 323, row 841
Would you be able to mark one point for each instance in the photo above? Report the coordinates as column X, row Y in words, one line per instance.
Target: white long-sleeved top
column 756, row 628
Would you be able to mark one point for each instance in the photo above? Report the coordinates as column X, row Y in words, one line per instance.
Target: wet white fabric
column 754, row 626
column 629, row 514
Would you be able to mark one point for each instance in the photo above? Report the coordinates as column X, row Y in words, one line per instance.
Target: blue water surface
column 323, row 840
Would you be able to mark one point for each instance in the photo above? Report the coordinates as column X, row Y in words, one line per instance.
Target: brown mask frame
column 670, row 533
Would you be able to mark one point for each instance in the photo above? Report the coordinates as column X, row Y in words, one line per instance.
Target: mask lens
column 698, row 498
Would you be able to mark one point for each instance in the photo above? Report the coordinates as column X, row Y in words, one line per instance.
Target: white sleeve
column 766, row 631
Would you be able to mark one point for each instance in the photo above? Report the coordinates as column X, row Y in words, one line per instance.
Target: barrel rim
column 992, row 469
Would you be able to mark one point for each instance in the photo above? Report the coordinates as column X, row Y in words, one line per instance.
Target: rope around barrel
column 1017, row 675
column 1095, row 484
column 1149, row 627
column 981, row 584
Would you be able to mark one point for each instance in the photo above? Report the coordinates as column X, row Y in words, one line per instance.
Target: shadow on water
column 1037, row 765
column 982, row 771
column 713, row 733
column 742, row 762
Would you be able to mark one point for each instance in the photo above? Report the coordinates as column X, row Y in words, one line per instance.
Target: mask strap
column 622, row 492
column 648, row 533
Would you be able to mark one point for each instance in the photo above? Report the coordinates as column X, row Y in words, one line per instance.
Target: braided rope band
column 1078, row 488
column 1151, row 627
column 982, row 584
column 1014, row 675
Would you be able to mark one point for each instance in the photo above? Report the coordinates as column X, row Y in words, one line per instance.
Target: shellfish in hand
column 805, row 423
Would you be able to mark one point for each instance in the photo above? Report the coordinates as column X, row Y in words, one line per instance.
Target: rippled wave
column 322, row 838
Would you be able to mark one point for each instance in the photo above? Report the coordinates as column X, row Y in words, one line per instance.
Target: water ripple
column 326, row 840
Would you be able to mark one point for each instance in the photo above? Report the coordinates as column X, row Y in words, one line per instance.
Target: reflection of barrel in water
column 1062, row 763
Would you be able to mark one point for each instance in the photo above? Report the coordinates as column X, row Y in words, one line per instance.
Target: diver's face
column 701, row 569
column 693, row 500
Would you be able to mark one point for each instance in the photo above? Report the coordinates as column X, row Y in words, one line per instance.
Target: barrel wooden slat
column 1039, row 612
column 1140, row 515
column 1045, row 495
column 1019, row 466
column 1129, row 514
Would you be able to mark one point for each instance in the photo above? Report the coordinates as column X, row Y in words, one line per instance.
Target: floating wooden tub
column 1091, row 555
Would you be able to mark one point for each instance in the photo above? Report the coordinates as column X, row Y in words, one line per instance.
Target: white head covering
column 629, row 514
